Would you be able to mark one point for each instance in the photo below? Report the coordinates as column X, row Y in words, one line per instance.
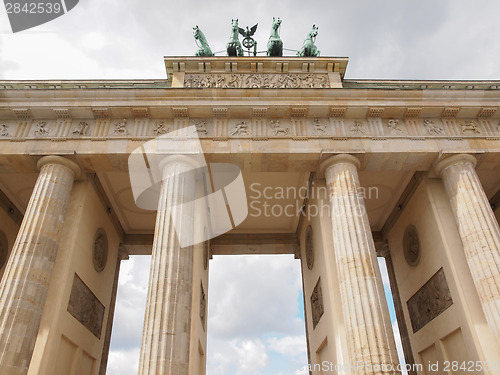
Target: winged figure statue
column 248, row 32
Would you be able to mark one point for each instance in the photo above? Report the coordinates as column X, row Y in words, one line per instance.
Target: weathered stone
column 368, row 328
column 86, row 307
column 431, row 299
column 167, row 325
column 478, row 230
column 317, row 306
column 30, row 266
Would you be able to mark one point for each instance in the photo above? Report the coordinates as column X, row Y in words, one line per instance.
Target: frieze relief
column 160, row 128
column 254, row 128
column 319, row 126
column 82, row 129
column 257, row 81
column 120, row 128
column 41, row 129
column 240, row 128
column 4, row 130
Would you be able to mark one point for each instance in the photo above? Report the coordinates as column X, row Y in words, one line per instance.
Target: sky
column 384, row 39
column 127, row 39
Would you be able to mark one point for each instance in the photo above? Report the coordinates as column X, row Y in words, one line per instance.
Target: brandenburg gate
column 335, row 171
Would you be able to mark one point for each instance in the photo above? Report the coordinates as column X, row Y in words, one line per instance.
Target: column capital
column 123, row 253
column 190, row 162
column 337, row 159
column 55, row 159
column 383, row 250
column 453, row 160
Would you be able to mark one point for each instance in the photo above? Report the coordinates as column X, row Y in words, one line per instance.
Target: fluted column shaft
column 23, row 289
column 167, row 323
column 368, row 327
column 479, row 231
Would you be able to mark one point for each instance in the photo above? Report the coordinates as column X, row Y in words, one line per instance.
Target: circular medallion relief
column 4, row 249
column 411, row 246
column 100, row 251
column 309, row 248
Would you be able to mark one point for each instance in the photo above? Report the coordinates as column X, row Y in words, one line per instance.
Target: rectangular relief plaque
column 429, row 301
column 317, row 306
column 86, row 307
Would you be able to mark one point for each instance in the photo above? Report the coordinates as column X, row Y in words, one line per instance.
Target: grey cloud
column 250, row 297
column 384, row 39
column 131, row 303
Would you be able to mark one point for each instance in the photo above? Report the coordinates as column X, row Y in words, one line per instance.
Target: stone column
column 24, row 287
column 167, row 323
column 478, row 230
column 367, row 323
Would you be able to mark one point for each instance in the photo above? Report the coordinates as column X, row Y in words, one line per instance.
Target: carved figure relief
column 393, row 126
column 100, row 250
column 431, row 128
column 258, row 81
column 280, row 127
column 309, row 248
column 317, row 307
column 85, row 307
column 121, row 128
column 240, row 128
column 357, row 128
column 82, row 128
column 41, row 128
column 277, row 129
column 470, row 126
column 160, row 128
column 4, row 249
column 319, row 128
column 201, row 128
column 429, row 301
column 4, row 130
column 411, row 246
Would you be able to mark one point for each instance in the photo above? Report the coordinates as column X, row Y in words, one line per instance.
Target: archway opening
column 255, row 315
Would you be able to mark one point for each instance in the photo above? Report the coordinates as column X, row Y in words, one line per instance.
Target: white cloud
column 291, row 346
column 254, row 295
column 239, row 357
column 384, row 39
column 123, row 362
column 130, row 303
column 253, row 314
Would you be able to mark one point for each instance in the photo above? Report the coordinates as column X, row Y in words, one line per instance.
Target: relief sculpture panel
column 429, row 301
column 258, row 81
column 317, row 306
column 85, row 307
